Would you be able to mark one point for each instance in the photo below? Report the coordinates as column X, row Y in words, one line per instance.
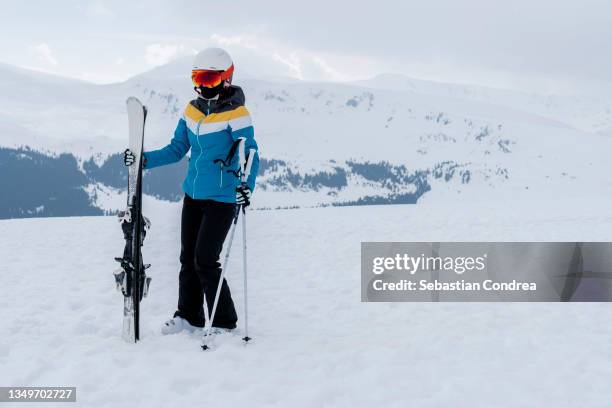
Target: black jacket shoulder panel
column 236, row 95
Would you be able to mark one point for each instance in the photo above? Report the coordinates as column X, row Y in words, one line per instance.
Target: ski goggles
column 210, row 79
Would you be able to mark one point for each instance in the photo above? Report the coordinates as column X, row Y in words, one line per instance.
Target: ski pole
column 246, row 337
column 209, row 320
column 245, row 175
column 245, row 169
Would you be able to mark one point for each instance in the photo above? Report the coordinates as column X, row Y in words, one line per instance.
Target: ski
column 131, row 279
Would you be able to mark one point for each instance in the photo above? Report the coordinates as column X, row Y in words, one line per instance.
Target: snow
column 314, row 343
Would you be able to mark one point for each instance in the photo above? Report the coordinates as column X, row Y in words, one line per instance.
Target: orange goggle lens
column 210, row 79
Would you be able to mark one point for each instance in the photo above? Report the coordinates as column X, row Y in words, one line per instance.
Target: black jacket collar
column 229, row 99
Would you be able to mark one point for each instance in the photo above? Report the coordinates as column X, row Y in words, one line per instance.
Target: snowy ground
column 314, row 344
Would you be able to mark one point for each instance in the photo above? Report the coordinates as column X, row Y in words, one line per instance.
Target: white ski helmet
column 212, row 59
column 212, row 68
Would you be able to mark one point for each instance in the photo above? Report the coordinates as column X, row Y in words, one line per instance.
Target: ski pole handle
column 247, row 168
column 241, row 155
column 245, row 163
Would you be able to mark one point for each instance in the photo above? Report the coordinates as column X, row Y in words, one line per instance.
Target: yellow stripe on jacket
column 227, row 115
column 237, row 119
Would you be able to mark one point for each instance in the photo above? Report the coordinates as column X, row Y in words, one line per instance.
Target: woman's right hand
column 128, row 157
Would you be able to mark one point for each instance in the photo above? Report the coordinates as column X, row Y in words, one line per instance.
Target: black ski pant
column 204, row 226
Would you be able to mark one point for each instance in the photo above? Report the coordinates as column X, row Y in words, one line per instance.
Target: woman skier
column 210, row 125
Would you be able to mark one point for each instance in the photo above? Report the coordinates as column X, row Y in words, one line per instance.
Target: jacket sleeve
column 241, row 126
column 173, row 152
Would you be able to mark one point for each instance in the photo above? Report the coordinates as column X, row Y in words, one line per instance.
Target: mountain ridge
column 322, row 143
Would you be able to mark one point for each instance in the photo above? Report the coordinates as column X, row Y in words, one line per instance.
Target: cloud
column 245, row 41
column 274, row 57
column 45, row 54
column 98, row 9
column 328, row 69
column 100, row 78
column 159, row 54
column 292, row 63
column 519, row 44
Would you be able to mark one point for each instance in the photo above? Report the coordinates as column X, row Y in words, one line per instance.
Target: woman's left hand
column 243, row 195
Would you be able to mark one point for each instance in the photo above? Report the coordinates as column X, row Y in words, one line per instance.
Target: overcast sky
column 546, row 45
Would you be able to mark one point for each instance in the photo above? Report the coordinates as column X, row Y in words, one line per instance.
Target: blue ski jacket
column 209, row 128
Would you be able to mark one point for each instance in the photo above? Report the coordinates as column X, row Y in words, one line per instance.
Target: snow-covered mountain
column 387, row 140
column 589, row 112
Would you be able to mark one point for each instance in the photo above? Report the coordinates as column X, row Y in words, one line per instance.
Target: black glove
column 243, row 195
column 128, row 157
